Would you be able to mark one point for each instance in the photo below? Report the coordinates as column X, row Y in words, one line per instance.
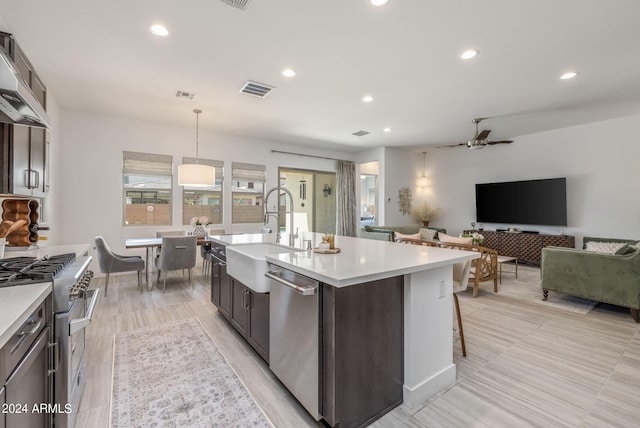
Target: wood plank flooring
column 526, row 364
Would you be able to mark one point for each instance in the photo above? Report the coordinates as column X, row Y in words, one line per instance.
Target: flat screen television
column 539, row 202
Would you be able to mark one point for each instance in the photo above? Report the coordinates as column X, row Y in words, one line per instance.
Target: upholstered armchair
column 178, row 252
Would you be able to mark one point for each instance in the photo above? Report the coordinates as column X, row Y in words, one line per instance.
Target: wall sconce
column 423, row 181
column 326, row 190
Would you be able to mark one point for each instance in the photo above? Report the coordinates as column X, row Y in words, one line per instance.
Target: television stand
column 526, row 247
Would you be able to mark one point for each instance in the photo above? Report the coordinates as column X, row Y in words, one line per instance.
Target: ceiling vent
column 185, row 95
column 240, row 4
column 256, row 89
column 360, row 133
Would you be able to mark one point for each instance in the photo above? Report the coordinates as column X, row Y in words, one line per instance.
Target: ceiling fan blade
column 482, row 135
column 499, row 142
column 452, row 145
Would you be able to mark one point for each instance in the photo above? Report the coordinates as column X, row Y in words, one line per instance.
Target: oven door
column 69, row 376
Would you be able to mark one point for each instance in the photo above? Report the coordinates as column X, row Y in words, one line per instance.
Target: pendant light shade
column 195, row 174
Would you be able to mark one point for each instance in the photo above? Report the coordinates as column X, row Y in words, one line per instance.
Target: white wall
column 88, row 173
column 599, row 160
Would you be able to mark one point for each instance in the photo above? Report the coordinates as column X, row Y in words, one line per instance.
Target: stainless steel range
column 73, row 305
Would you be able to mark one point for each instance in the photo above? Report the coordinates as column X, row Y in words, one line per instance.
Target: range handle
column 80, row 323
column 305, row 291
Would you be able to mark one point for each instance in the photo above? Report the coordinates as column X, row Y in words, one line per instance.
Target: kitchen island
column 426, row 288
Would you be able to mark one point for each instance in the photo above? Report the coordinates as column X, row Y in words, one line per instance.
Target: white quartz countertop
column 16, row 305
column 360, row 260
column 49, row 250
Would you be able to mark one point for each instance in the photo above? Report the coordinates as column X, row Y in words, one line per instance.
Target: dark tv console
column 527, row 247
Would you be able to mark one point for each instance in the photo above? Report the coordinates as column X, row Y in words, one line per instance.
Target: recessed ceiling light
column 367, row 98
column 468, row 54
column 159, row 30
column 288, row 73
column 569, row 75
column 387, row 129
column 378, row 2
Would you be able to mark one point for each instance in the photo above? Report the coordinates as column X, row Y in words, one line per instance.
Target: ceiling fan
column 479, row 141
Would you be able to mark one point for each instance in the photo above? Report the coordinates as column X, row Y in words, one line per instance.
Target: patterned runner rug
column 173, row 375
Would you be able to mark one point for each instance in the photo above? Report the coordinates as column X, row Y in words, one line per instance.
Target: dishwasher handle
column 305, row 291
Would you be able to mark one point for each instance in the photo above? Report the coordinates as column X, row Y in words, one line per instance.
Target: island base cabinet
column 362, row 351
column 220, row 287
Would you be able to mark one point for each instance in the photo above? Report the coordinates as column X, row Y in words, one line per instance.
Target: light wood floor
column 526, row 365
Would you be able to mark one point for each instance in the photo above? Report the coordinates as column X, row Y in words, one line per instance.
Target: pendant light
column 423, row 181
column 195, row 174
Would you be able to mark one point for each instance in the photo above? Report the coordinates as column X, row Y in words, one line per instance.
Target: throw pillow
column 399, row 235
column 427, row 234
column 626, row 249
column 604, row 247
column 454, row 239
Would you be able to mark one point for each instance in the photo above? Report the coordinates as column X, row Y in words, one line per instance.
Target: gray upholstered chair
column 178, row 252
column 110, row 262
column 163, row 233
column 461, row 273
column 205, row 253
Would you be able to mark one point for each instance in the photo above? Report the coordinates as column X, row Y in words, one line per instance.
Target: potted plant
column 424, row 212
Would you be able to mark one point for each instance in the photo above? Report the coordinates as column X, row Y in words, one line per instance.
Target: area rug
column 528, row 287
column 173, row 375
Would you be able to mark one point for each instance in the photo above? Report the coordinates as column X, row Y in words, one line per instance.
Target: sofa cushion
column 604, row 247
column 398, row 235
column 454, row 239
column 427, row 234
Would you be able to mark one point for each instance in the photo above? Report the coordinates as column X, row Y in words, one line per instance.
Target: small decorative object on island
column 199, row 224
column 424, row 213
column 477, row 237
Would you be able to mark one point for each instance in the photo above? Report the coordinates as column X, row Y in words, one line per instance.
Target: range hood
column 18, row 105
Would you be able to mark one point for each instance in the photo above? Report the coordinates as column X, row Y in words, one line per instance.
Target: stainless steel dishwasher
column 294, row 335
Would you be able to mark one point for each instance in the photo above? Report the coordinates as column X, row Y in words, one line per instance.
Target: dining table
column 149, row 244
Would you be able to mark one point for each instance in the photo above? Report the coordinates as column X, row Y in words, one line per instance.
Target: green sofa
column 607, row 278
column 386, row 233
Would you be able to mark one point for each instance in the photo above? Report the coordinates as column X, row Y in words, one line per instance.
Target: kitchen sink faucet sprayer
column 267, row 214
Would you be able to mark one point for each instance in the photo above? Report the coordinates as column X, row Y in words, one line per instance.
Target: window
column 198, row 201
column 147, row 180
column 248, row 192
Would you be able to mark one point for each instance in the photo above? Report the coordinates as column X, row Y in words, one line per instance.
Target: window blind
column 218, row 165
column 248, row 172
column 146, row 163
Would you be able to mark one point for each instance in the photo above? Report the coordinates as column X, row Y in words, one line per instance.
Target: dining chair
column 461, row 273
column 178, row 252
column 163, row 233
column 110, row 262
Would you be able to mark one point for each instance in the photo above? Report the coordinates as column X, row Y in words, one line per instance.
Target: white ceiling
column 100, row 57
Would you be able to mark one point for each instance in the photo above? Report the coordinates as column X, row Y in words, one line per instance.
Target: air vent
column 256, row 89
column 360, row 133
column 240, row 4
column 185, row 95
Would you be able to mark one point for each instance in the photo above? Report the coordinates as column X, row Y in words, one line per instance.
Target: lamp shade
column 196, row 175
column 423, row 181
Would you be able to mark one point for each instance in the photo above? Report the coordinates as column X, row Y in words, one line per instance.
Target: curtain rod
column 309, row 156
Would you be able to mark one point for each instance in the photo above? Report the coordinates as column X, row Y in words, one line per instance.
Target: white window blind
column 146, row 163
column 248, row 172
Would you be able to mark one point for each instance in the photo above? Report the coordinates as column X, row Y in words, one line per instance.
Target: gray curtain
column 346, row 221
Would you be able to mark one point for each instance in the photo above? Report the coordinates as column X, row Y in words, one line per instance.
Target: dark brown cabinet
column 24, row 150
column 527, row 247
column 25, row 371
column 247, row 311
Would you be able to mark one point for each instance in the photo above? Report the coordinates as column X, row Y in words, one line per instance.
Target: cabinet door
column 258, row 330
column 239, row 304
column 21, row 153
column 39, row 90
column 36, row 161
column 22, row 65
column 29, row 386
column 225, row 291
column 215, row 282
